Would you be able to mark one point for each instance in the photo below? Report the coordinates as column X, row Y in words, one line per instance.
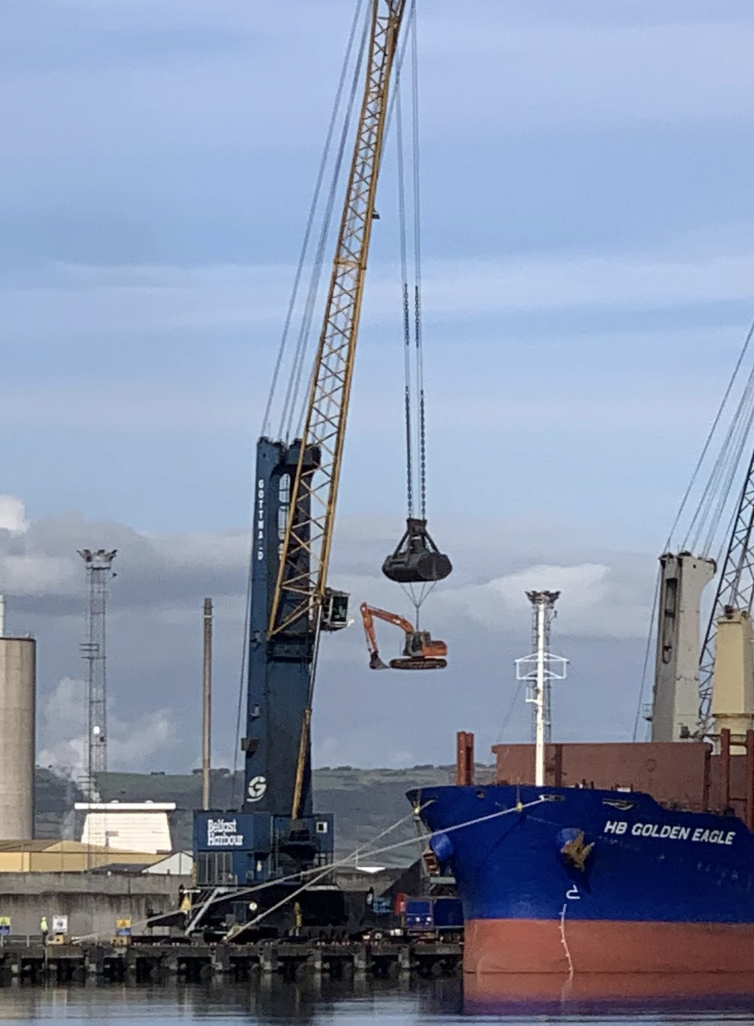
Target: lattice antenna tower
column 99, row 571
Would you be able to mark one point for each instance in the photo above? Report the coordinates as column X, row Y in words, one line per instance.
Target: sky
column 588, row 281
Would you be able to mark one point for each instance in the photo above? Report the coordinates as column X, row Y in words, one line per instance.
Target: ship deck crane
column 695, row 696
column 276, row 833
column 420, row 650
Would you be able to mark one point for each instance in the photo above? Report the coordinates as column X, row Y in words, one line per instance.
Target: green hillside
column 365, row 801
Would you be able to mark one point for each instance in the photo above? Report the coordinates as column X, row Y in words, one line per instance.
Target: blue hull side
column 646, row 864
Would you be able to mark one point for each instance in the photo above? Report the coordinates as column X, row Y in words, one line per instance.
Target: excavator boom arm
column 368, row 616
column 374, row 613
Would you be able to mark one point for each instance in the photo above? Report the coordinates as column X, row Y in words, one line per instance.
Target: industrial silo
column 17, row 735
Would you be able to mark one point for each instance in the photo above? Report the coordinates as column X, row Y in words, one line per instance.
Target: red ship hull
column 582, row 946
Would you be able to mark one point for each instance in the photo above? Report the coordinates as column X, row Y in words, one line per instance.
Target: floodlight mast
column 99, row 571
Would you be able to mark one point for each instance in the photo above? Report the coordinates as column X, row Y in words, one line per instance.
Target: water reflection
column 265, row 999
column 452, row 1002
column 530, row 994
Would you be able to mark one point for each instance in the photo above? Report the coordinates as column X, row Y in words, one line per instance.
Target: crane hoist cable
column 705, row 522
column 422, row 431
column 300, row 587
column 407, row 403
column 417, row 444
column 305, row 332
column 354, row 55
column 416, row 561
column 735, row 586
column 301, row 597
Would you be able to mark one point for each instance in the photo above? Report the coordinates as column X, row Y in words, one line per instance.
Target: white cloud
column 38, row 575
column 13, row 514
column 171, row 299
column 597, row 600
column 63, row 729
column 131, row 743
column 134, row 744
column 155, row 637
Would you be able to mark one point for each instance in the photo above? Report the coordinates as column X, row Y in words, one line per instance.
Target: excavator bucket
column 375, row 663
column 418, row 663
column 416, row 560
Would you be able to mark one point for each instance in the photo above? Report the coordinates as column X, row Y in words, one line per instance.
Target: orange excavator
column 420, row 650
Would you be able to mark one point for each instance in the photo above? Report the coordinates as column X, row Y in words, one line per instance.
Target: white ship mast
column 538, row 669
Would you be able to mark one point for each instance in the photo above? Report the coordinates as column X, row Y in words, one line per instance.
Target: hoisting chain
column 422, row 425
column 418, row 264
column 406, row 305
column 407, row 404
column 420, row 437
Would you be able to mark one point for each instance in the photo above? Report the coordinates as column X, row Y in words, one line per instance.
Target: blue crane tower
column 276, row 834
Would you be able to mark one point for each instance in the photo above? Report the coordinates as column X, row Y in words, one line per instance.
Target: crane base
column 418, row 663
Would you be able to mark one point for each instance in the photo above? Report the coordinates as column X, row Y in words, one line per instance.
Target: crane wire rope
column 413, row 363
column 413, row 31
column 346, row 860
column 730, row 472
column 419, row 443
column 647, row 653
column 317, row 871
column 310, row 299
column 356, row 854
column 407, row 400
column 311, row 219
column 708, row 514
column 705, row 522
column 705, row 449
column 242, row 679
column 295, row 409
column 399, row 64
column 294, row 387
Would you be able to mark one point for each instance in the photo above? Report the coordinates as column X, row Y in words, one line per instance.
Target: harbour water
column 343, row 1003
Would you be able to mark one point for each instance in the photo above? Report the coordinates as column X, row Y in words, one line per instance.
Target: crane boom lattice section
column 735, row 589
column 305, row 556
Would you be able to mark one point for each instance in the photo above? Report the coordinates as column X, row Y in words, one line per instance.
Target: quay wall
column 92, row 901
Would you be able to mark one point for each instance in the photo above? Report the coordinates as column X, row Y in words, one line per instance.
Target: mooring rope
column 357, row 852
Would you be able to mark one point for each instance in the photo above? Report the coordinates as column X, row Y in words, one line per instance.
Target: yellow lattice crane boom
column 315, row 486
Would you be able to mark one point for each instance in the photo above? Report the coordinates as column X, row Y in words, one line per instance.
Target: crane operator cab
column 416, row 559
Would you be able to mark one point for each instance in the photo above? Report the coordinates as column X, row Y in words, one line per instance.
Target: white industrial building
column 180, row 863
column 128, row 826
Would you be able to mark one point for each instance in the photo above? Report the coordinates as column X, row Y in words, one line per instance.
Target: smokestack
column 2, row 616
column 207, row 705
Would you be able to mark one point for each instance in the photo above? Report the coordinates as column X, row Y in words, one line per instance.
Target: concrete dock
column 143, row 960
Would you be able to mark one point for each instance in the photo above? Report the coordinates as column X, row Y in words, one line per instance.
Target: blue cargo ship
column 581, row 879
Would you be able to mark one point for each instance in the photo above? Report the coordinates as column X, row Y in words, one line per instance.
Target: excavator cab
column 416, row 559
column 420, row 650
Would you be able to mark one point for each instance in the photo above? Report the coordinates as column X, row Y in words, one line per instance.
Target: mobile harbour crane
column 276, row 834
